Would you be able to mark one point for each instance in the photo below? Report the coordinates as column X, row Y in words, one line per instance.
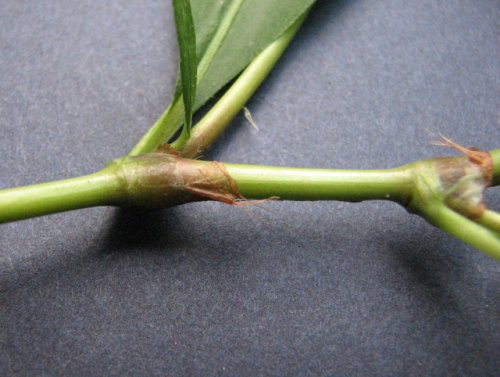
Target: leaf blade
column 186, row 37
column 255, row 25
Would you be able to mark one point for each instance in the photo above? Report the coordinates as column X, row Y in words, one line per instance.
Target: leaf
column 188, row 62
column 244, row 28
column 230, row 34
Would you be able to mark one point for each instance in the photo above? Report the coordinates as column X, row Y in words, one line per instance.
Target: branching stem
column 217, row 119
column 160, row 180
column 220, row 115
column 482, row 238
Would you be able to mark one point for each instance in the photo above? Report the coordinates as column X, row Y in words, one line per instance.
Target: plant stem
column 159, row 180
column 490, row 219
column 220, row 115
column 486, row 240
column 217, row 119
column 162, row 130
column 260, row 182
column 495, row 157
column 101, row 188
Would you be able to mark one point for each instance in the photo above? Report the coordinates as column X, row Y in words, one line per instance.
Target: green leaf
column 230, row 34
column 244, row 29
column 187, row 47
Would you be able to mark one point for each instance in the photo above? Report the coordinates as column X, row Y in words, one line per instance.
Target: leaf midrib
column 218, row 38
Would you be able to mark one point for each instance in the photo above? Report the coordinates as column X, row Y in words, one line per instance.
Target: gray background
column 208, row 289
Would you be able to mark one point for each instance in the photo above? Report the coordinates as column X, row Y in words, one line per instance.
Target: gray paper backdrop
column 313, row 289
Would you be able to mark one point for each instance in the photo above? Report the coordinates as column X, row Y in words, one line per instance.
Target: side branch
column 211, row 126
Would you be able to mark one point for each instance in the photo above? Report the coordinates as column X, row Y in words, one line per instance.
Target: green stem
column 217, row 119
column 260, row 182
column 101, row 188
column 495, row 157
column 154, row 180
column 486, row 240
column 160, row 180
column 490, row 219
column 162, row 130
